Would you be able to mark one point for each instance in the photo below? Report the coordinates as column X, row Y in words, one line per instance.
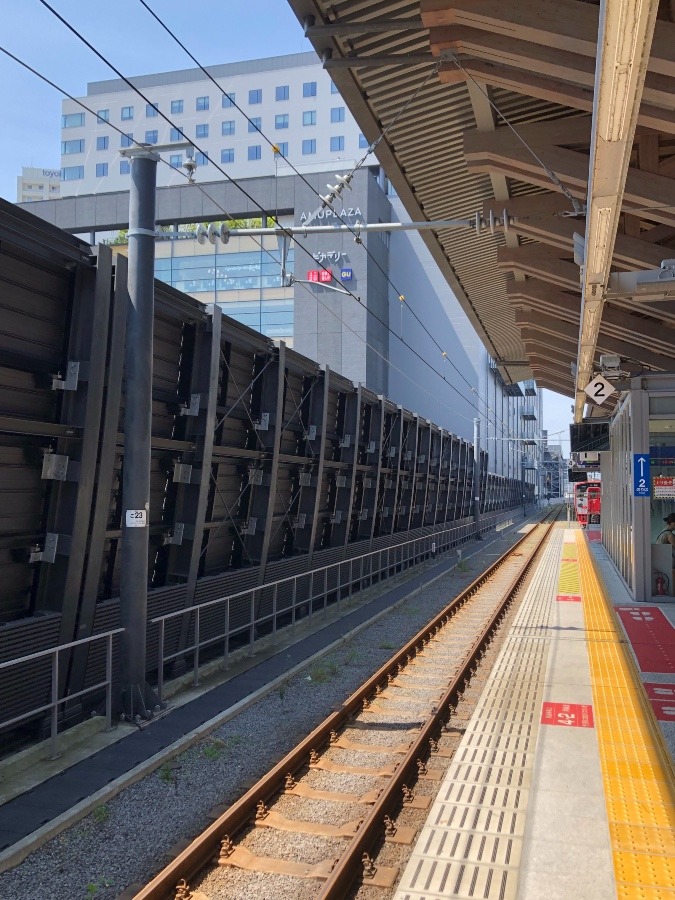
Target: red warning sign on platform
column 571, row 715
column 568, row 598
column 662, row 698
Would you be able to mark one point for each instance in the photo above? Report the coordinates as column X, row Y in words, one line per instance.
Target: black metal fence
column 264, row 465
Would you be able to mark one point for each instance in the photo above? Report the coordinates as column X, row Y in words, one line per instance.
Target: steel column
column 137, row 435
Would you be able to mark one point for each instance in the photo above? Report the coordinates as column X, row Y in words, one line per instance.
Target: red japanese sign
column 572, row 715
column 321, row 275
column 568, row 598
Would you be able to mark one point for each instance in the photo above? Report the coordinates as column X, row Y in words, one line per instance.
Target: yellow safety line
column 637, row 772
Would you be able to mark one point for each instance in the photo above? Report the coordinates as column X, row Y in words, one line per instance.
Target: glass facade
column 247, row 270
column 251, row 281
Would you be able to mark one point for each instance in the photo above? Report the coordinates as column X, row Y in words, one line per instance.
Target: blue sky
column 124, row 32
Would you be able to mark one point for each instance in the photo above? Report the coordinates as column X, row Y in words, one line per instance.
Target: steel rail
column 241, row 813
column 371, row 832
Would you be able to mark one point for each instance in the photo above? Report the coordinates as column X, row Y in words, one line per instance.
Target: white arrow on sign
column 599, row 389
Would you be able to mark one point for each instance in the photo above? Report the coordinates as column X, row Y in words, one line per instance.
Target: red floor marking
column 662, row 698
column 575, row 715
column 594, row 535
column 652, row 637
column 572, row 598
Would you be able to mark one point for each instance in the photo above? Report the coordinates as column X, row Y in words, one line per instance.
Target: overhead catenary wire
column 255, row 203
column 228, row 216
column 370, row 150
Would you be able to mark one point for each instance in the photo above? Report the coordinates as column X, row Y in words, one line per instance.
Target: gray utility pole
column 137, row 698
column 476, row 477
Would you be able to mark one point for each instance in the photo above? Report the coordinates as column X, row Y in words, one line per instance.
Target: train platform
column 563, row 784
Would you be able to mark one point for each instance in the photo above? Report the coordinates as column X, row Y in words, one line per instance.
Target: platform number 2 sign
column 599, row 389
column 641, row 474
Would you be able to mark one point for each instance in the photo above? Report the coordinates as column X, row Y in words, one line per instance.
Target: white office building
column 35, row 183
column 289, row 99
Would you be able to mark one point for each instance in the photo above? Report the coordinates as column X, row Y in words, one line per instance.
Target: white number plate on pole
column 599, row 389
column 136, row 518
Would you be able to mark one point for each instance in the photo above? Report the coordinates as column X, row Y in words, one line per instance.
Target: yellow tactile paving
column 638, row 778
column 568, row 580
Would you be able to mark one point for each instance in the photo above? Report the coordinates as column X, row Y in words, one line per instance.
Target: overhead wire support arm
column 475, row 222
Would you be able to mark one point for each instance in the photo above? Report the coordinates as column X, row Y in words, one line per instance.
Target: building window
column 283, row 149
column 151, row 110
column 309, row 117
column 176, row 160
column 254, row 152
column 227, row 155
column 228, row 100
column 125, row 167
column 202, row 131
column 337, row 114
column 151, row 137
column 176, row 135
column 281, row 121
column 127, row 113
column 308, row 147
column 127, row 140
column 201, row 159
column 102, row 115
column 337, row 144
column 176, row 107
column 101, row 170
column 362, row 141
column 281, row 92
column 102, row 143
column 334, row 88
column 72, row 120
column 227, row 127
column 255, row 96
column 255, row 124
column 309, row 89
column 72, row 147
column 202, row 104
column 72, row 173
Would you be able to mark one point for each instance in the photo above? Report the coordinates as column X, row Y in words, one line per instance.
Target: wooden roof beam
column 549, row 329
column 629, row 252
column 546, row 61
column 486, row 152
column 540, row 262
column 568, row 25
column 552, row 90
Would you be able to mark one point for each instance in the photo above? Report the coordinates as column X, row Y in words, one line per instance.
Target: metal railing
column 55, row 702
column 379, row 564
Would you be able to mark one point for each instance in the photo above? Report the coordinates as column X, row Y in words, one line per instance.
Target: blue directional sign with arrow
column 641, row 474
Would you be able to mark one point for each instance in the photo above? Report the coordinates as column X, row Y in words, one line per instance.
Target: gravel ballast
column 128, row 839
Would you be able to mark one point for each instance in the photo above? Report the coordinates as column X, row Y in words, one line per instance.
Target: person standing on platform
column 668, row 537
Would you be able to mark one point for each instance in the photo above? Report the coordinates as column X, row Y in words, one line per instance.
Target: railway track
column 311, row 827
